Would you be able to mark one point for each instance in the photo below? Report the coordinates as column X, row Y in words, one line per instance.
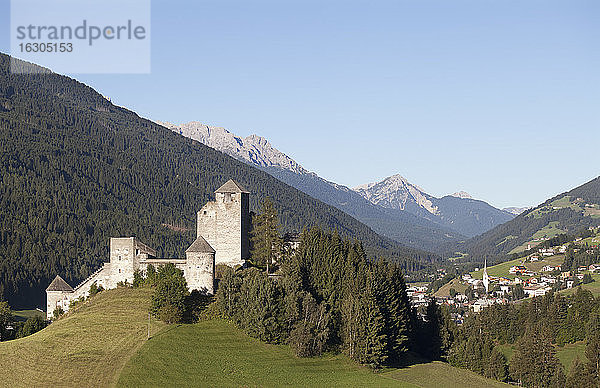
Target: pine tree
column 592, row 347
column 534, row 362
column 497, row 367
column 266, row 242
column 375, row 340
column 579, row 376
column 431, row 332
column 6, row 317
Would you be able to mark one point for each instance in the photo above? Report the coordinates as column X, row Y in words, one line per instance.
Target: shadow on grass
column 409, row 359
column 165, row 330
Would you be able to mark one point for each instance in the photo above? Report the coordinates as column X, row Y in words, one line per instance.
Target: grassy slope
column 86, row 348
column 23, row 315
column 565, row 354
column 593, row 287
column 438, row 374
column 502, row 269
column 454, row 283
column 215, row 353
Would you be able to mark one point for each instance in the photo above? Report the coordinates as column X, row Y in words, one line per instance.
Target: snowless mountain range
column 393, row 207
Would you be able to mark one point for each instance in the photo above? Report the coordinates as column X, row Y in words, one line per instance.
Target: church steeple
column 486, row 278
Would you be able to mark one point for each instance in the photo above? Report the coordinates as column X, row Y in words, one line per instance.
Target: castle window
column 119, row 270
column 119, row 257
column 205, row 212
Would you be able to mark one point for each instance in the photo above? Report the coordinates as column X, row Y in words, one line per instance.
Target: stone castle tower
column 225, row 224
column 222, row 238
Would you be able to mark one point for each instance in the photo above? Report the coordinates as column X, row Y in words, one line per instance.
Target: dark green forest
column 76, row 170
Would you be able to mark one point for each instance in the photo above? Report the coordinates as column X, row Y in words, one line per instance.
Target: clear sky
column 497, row 98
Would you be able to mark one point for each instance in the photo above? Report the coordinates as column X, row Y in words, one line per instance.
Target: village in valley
column 539, row 271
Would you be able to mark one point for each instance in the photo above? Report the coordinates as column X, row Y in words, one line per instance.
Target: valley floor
column 103, row 343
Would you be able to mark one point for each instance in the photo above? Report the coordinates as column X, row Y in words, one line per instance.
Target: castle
column 221, row 238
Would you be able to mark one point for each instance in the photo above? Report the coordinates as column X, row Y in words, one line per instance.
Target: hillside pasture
column 455, row 283
column 547, row 232
column 593, row 287
column 502, row 269
column 566, row 354
column 216, row 353
column 23, row 315
column 104, row 343
column 86, row 348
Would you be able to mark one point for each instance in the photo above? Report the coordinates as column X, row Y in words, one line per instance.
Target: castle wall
column 199, row 271
column 126, row 253
column 224, row 223
column 55, row 299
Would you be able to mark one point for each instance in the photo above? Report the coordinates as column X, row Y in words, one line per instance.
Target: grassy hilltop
column 103, row 343
column 86, row 348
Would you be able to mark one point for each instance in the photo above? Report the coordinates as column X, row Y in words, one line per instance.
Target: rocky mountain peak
column 252, row 149
column 462, row 194
column 395, row 192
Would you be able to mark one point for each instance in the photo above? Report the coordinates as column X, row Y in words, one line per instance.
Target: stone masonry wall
column 224, row 224
column 199, row 271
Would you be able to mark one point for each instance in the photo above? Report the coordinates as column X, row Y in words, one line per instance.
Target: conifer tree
column 534, row 362
column 6, row 317
column 497, row 367
column 266, row 242
column 374, row 344
column 579, row 376
column 592, row 348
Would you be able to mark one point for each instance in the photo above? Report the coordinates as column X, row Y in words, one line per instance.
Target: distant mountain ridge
column 517, row 210
column 409, row 215
column 568, row 212
column 458, row 211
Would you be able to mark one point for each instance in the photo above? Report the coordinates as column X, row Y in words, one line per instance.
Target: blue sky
column 497, row 98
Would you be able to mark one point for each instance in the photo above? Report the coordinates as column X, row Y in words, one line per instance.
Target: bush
column 168, row 300
column 58, row 312
column 94, row 289
column 32, row 325
column 169, row 313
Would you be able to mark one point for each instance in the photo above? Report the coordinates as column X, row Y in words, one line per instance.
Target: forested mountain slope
column 565, row 213
column 76, row 170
